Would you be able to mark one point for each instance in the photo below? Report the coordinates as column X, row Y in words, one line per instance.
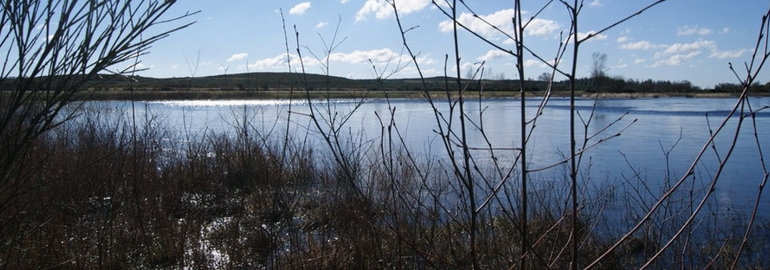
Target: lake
column 637, row 159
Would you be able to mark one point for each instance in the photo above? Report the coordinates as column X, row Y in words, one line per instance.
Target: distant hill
column 244, row 81
column 280, row 81
column 269, row 81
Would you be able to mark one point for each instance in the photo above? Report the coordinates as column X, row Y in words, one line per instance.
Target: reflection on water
column 220, row 103
column 663, row 137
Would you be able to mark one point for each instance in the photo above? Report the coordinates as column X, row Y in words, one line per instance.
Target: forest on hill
column 271, row 85
column 256, row 82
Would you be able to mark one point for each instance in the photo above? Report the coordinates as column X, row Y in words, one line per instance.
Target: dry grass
column 228, row 201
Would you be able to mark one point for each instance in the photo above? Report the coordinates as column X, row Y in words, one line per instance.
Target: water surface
column 658, row 137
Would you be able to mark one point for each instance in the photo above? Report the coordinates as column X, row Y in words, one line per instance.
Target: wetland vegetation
column 84, row 186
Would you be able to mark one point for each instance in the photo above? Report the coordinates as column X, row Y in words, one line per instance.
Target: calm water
column 649, row 128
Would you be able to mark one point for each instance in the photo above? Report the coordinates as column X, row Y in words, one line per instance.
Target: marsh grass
column 232, row 201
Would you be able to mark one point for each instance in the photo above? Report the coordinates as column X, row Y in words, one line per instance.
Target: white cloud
column 382, row 9
column 237, row 57
column 468, row 66
column 596, row 3
column 692, row 30
column 583, row 35
column 493, row 54
column 425, row 60
column 639, row 45
column 344, row 1
column 379, row 8
column 725, row 30
column 533, row 62
column 378, row 57
column 676, row 59
column 728, row 54
column 639, row 60
column 279, row 61
column 678, row 53
column 502, row 20
column 542, row 27
column 137, row 66
column 321, row 24
column 694, row 46
column 300, row 8
column 623, row 39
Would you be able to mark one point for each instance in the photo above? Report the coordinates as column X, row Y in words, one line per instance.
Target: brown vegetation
column 126, row 198
column 88, row 187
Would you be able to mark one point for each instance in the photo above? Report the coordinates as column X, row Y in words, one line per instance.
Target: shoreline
column 229, row 95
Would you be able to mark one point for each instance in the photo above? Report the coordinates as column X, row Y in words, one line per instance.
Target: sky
column 693, row 40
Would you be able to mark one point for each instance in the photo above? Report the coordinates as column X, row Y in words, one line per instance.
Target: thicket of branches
column 483, row 198
column 52, row 52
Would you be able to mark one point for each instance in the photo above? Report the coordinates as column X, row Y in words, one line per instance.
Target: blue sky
column 678, row 40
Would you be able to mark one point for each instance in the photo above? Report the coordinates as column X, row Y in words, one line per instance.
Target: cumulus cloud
column 679, row 53
column 533, row 62
column 378, row 57
column 300, row 8
column 542, row 27
column 694, row 46
column 584, row 35
column 280, row 61
column 237, row 57
column 688, row 30
column 466, row 66
column 137, row 66
column 623, row 39
column 596, row 3
column 493, row 54
column 382, row 10
column 595, row 36
column 425, row 60
column 639, row 45
column 502, row 20
column 321, row 25
column 378, row 8
column 676, row 59
column 728, row 54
